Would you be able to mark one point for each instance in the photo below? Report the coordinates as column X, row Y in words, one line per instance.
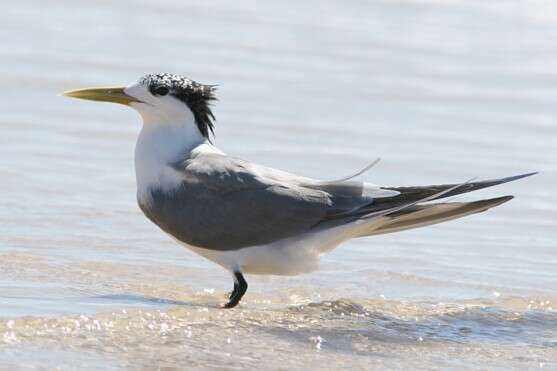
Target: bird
column 249, row 218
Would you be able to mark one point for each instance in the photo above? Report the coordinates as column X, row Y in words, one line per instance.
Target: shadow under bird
column 250, row 218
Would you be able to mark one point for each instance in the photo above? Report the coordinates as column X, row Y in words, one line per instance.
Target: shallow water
column 441, row 91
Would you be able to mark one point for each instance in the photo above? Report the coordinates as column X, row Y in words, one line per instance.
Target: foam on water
column 506, row 333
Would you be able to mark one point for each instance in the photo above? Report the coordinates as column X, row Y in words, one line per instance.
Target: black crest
column 196, row 96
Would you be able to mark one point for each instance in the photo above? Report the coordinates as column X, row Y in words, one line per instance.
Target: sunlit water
column 441, row 90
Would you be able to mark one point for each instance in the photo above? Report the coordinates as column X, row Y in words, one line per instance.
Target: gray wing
column 411, row 195
column 226, row 204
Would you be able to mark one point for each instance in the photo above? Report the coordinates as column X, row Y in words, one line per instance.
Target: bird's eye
column 161, row 90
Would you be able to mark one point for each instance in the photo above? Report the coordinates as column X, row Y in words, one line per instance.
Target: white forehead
column 139, row 91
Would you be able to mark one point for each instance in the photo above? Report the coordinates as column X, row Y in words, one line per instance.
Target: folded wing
column 226, row 203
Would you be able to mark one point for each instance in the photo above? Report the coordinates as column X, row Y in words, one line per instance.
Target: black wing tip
column 511, row 178
column 502, row 199
column 492, row 202
column 516, row 177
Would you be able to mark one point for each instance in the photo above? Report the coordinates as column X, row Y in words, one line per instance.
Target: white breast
column 158, row 147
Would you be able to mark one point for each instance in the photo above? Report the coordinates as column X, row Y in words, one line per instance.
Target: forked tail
column 423, row 215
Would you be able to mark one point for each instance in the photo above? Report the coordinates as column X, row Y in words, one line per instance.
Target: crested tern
column 250, row 218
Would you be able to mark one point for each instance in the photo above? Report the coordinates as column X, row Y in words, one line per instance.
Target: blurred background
column 442, row 91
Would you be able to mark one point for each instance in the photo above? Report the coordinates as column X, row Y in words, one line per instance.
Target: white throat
column 169, row 134
column 163, row 140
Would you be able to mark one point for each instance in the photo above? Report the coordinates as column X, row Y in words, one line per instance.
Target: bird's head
column 161, row 99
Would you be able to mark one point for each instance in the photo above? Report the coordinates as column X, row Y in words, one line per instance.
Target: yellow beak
column 115, row 95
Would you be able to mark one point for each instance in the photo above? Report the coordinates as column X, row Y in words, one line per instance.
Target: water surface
column 441, row 91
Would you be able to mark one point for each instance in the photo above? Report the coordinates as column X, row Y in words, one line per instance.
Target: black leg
column 234, row 290
column 240, row 288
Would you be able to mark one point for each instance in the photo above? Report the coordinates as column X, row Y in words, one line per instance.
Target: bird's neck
column 158, row 146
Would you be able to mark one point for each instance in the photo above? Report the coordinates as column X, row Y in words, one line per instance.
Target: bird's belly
column 272, row 259
column 286, row 257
